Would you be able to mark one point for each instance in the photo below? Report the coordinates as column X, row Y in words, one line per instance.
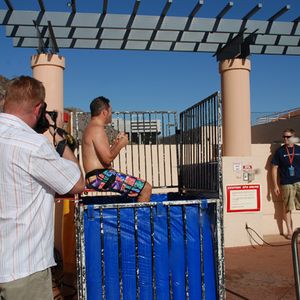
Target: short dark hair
column 292, row 131
column 98, row 104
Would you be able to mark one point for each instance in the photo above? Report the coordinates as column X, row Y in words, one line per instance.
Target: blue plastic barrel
column 165, row 244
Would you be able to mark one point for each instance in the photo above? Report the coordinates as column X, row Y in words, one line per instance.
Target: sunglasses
column 287, row 136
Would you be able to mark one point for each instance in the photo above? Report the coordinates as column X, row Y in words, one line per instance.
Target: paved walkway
column 260, row 272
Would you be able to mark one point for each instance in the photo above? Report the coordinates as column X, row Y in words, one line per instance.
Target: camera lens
column 52, row 114
column 43, row 124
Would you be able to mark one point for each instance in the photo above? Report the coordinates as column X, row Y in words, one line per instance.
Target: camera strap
column 65, row 135
column 55, row 129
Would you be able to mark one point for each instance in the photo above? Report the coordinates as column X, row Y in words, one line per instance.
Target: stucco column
column 236, row 120
column 49, row 69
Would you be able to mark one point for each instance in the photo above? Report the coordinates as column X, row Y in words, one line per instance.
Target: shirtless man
column 98, row 155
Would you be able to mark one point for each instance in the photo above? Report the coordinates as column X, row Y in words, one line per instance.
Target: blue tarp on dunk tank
column 168, row 261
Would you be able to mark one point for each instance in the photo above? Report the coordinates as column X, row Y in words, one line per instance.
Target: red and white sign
column 247, row 167
column 243, row 198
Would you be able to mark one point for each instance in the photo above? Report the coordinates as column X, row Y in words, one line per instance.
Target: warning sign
column 243, row 198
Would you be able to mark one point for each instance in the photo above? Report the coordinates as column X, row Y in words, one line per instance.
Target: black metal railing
column 296, row 261
column 200, row 146
column 152, row 151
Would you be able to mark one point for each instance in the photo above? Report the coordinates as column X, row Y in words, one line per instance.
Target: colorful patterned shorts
column 113, row 181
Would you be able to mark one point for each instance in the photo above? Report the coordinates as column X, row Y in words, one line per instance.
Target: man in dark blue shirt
column 286, row 162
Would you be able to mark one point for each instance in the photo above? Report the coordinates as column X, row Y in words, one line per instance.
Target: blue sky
column 142, row 81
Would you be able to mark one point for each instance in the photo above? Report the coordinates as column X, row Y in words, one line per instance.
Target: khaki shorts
column 37, row 286
column 291, row 196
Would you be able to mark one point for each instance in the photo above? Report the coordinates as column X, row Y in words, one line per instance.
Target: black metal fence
column 200, row 147
column 188, row 158
column 152, row 151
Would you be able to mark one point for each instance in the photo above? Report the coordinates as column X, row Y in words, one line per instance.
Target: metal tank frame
column 218, row 246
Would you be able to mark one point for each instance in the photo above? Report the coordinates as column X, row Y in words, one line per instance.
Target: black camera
column 42, row 125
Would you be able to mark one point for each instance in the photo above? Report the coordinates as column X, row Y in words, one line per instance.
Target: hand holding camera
column 44, row 122
column 53, row 121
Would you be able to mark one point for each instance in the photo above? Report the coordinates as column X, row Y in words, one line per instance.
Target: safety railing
column 296, row 261
column 277, row 116
column 152, row 150
column 200, row 146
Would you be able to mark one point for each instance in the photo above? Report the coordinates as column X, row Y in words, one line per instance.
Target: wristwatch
column 60, row 148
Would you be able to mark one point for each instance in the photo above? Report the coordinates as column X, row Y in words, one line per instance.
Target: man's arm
column 67, row 154
column 274, row 172
column 104, row 151
column 120, row 141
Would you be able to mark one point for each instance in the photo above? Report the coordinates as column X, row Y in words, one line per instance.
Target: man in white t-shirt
column 31, row 171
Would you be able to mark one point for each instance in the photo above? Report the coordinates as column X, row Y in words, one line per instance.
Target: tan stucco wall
column 272, row 132
column 269, row 219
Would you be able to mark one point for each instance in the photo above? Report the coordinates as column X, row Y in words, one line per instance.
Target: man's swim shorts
column 113, row 181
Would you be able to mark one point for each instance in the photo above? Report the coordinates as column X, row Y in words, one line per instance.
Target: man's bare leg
column 288, row 221
column 145, row 193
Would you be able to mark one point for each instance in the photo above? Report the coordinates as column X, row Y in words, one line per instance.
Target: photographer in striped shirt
column 31, row 172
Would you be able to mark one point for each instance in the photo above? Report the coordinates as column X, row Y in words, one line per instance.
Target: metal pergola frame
column 49, row 31
column 226, row 38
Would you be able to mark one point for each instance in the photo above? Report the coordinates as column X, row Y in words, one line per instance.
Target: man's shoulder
column 280, row 149
column 90, row 135
column 277, row 154
column 93, row 129
column 23, row 138
column 35, row 142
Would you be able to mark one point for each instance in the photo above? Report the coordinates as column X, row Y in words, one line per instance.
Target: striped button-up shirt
column 30, row 173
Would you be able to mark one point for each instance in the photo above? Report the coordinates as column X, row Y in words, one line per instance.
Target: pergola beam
column 8, row 4
column 196, row 8
column 130, row 22
column 42, row 6
column 223, row 12
column 280, row 13
column 41, row 47
column 53, row 43
column 159, row 23
column 166, row 8
column 114, row 21
column 140, row 35
column 72, row 4
column 133, row 31
column 157, row 46
column 252, row 12
column 104, row 6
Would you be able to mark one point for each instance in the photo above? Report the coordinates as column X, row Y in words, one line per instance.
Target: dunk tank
column 171, row 247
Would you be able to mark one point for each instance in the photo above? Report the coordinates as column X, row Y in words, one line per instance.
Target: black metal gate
column 200, row 147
